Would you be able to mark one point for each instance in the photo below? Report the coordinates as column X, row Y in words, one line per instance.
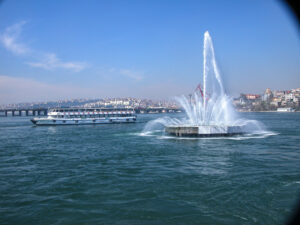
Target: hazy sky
column 53, row 50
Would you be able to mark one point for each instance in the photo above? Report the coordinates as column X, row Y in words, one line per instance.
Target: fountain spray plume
column 209, row 110
column 212, row 106
column 208, row 48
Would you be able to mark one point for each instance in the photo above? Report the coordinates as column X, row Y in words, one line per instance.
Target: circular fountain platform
column 204, row 130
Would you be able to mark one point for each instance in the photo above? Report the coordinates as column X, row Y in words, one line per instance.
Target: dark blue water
column 110, row 174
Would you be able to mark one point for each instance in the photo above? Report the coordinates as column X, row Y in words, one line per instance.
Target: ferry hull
column 55, row 121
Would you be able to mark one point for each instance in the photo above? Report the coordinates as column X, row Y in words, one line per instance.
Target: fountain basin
column 204, row 130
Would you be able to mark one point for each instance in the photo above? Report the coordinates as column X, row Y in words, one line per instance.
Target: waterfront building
column 288, row 109
column 268, row 95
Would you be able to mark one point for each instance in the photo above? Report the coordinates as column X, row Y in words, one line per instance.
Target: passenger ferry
column 68, row 116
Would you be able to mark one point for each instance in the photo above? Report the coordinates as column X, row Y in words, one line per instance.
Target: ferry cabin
column 64, row 116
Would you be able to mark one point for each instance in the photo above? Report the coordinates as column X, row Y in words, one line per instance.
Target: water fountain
column 209, row 112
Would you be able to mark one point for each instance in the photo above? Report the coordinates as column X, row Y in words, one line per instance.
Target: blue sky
column 53, row 50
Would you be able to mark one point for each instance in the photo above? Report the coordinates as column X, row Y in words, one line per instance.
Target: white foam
column 159, row 134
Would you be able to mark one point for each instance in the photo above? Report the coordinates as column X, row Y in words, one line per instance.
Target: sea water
column 115, row 174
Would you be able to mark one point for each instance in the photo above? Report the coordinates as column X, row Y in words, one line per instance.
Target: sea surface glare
column 112, row 174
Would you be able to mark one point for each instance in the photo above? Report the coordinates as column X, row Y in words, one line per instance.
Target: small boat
column 76, row 116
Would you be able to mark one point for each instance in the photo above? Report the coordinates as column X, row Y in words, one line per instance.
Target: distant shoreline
column 269, row 111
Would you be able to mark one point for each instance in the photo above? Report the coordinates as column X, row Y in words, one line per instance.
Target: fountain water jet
column 209, row 113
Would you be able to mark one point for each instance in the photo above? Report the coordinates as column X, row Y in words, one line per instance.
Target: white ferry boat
column 285, row 110
column 68, row 116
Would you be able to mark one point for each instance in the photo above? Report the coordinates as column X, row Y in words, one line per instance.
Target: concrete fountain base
column 204, row 130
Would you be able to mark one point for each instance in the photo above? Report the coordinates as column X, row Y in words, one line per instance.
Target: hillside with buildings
column 269, row 101
column 97, row 103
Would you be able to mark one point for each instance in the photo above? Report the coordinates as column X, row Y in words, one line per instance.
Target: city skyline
column 268, row 100
column 59, row 50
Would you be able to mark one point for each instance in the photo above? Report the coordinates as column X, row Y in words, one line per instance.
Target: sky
column 52, row 50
